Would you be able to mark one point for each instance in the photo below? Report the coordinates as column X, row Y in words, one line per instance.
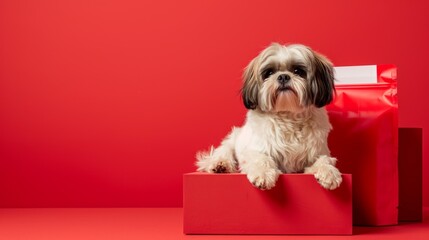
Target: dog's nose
column 283, row 78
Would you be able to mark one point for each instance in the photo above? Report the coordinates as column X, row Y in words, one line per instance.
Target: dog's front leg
column 261, row 169
column 325, row 172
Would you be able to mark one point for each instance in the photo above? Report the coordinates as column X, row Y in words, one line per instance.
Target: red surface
column 153, row 224
column 364, row 139
column 98, row 97
column 229, row 204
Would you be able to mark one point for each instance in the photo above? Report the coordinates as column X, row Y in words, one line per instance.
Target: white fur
column 282, row 135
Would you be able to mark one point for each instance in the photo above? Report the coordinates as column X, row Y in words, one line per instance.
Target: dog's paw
column 328, row 176
column 213, row 163
column 221, row 167
column 264, row 180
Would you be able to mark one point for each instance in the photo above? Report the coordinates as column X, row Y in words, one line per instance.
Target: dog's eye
column 267, row 73
column 299, row 71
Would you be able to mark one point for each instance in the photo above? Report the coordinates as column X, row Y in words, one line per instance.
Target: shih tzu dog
column 285, row 90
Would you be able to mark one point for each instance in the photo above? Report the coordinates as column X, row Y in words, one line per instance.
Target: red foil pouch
column 364, row 139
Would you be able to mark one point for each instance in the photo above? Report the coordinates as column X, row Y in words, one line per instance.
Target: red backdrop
column 104, row 103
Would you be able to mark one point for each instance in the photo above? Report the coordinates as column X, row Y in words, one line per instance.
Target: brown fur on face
column 310, row 74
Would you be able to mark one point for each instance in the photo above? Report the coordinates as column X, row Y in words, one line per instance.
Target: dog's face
column 288, row 78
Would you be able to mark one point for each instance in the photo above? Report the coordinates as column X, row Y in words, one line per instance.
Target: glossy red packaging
column 365, row 141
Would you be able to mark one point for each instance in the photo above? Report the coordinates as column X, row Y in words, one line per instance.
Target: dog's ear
column 322, row 84
column 250, row 89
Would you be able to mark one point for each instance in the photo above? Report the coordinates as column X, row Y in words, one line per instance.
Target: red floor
column 148, row 224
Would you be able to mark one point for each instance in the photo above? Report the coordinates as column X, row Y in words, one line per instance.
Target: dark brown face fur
column 282, row 68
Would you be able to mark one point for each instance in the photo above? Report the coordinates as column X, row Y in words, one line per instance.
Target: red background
column 104, row 103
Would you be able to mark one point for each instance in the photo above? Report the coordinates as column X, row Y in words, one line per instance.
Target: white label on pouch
column 356, row 74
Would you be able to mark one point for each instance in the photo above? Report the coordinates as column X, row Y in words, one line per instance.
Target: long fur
column 287, row 126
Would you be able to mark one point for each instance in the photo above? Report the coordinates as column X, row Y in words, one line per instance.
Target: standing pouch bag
column 364, row 139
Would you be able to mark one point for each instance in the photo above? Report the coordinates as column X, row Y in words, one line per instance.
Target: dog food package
column 364, row 139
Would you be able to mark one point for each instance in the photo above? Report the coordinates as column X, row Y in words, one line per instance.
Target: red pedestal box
column 229, row 204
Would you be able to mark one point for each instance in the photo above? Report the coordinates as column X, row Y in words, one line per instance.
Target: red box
column 229, row 204
column 410, row 174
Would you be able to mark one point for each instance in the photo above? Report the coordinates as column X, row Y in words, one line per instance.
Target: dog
column 285, row 89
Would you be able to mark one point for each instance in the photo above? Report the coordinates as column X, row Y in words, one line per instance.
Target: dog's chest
column 292, row 143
